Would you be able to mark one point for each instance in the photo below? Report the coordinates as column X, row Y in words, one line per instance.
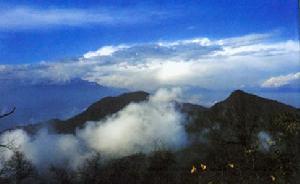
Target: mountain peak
column 242, row 96
column 249, row 103
column 135, row 94
column 238, row 91
column 100, row 109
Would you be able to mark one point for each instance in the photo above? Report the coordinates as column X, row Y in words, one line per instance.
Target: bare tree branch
column 9, row 113
column 4, row 146
column 2, row 116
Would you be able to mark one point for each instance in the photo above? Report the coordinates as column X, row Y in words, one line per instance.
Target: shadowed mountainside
column 99, row 110
column 243, row 139
column 239, row 109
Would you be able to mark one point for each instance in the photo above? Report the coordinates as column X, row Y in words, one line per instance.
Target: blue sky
column 207, row 48
column 32, row 31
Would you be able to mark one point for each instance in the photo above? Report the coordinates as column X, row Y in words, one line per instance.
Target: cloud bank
column 229, row 63
column 139, row 127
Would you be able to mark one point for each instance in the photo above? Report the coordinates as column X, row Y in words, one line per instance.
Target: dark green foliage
column 90, row 171
column 59, row 175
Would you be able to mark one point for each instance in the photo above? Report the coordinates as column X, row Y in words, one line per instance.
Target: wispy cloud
column 20, row 18
column 282, row 80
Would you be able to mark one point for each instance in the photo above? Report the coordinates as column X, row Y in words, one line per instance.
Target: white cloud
column 260, row 49
column 19, row 18
column 45, row 149
column 282, row 80
column 249, row 39
column 104, row 51
column 200, row 62
column 139, row 127
column 197, row 62
column 198, row 41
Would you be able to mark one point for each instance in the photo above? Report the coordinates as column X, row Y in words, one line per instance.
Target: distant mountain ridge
column 39, row 102
column 240, row 108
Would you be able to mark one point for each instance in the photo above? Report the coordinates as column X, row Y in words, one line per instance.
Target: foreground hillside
column 243, row 139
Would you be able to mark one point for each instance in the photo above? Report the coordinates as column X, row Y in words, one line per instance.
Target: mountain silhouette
column 242, row 138
column 240, row 110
